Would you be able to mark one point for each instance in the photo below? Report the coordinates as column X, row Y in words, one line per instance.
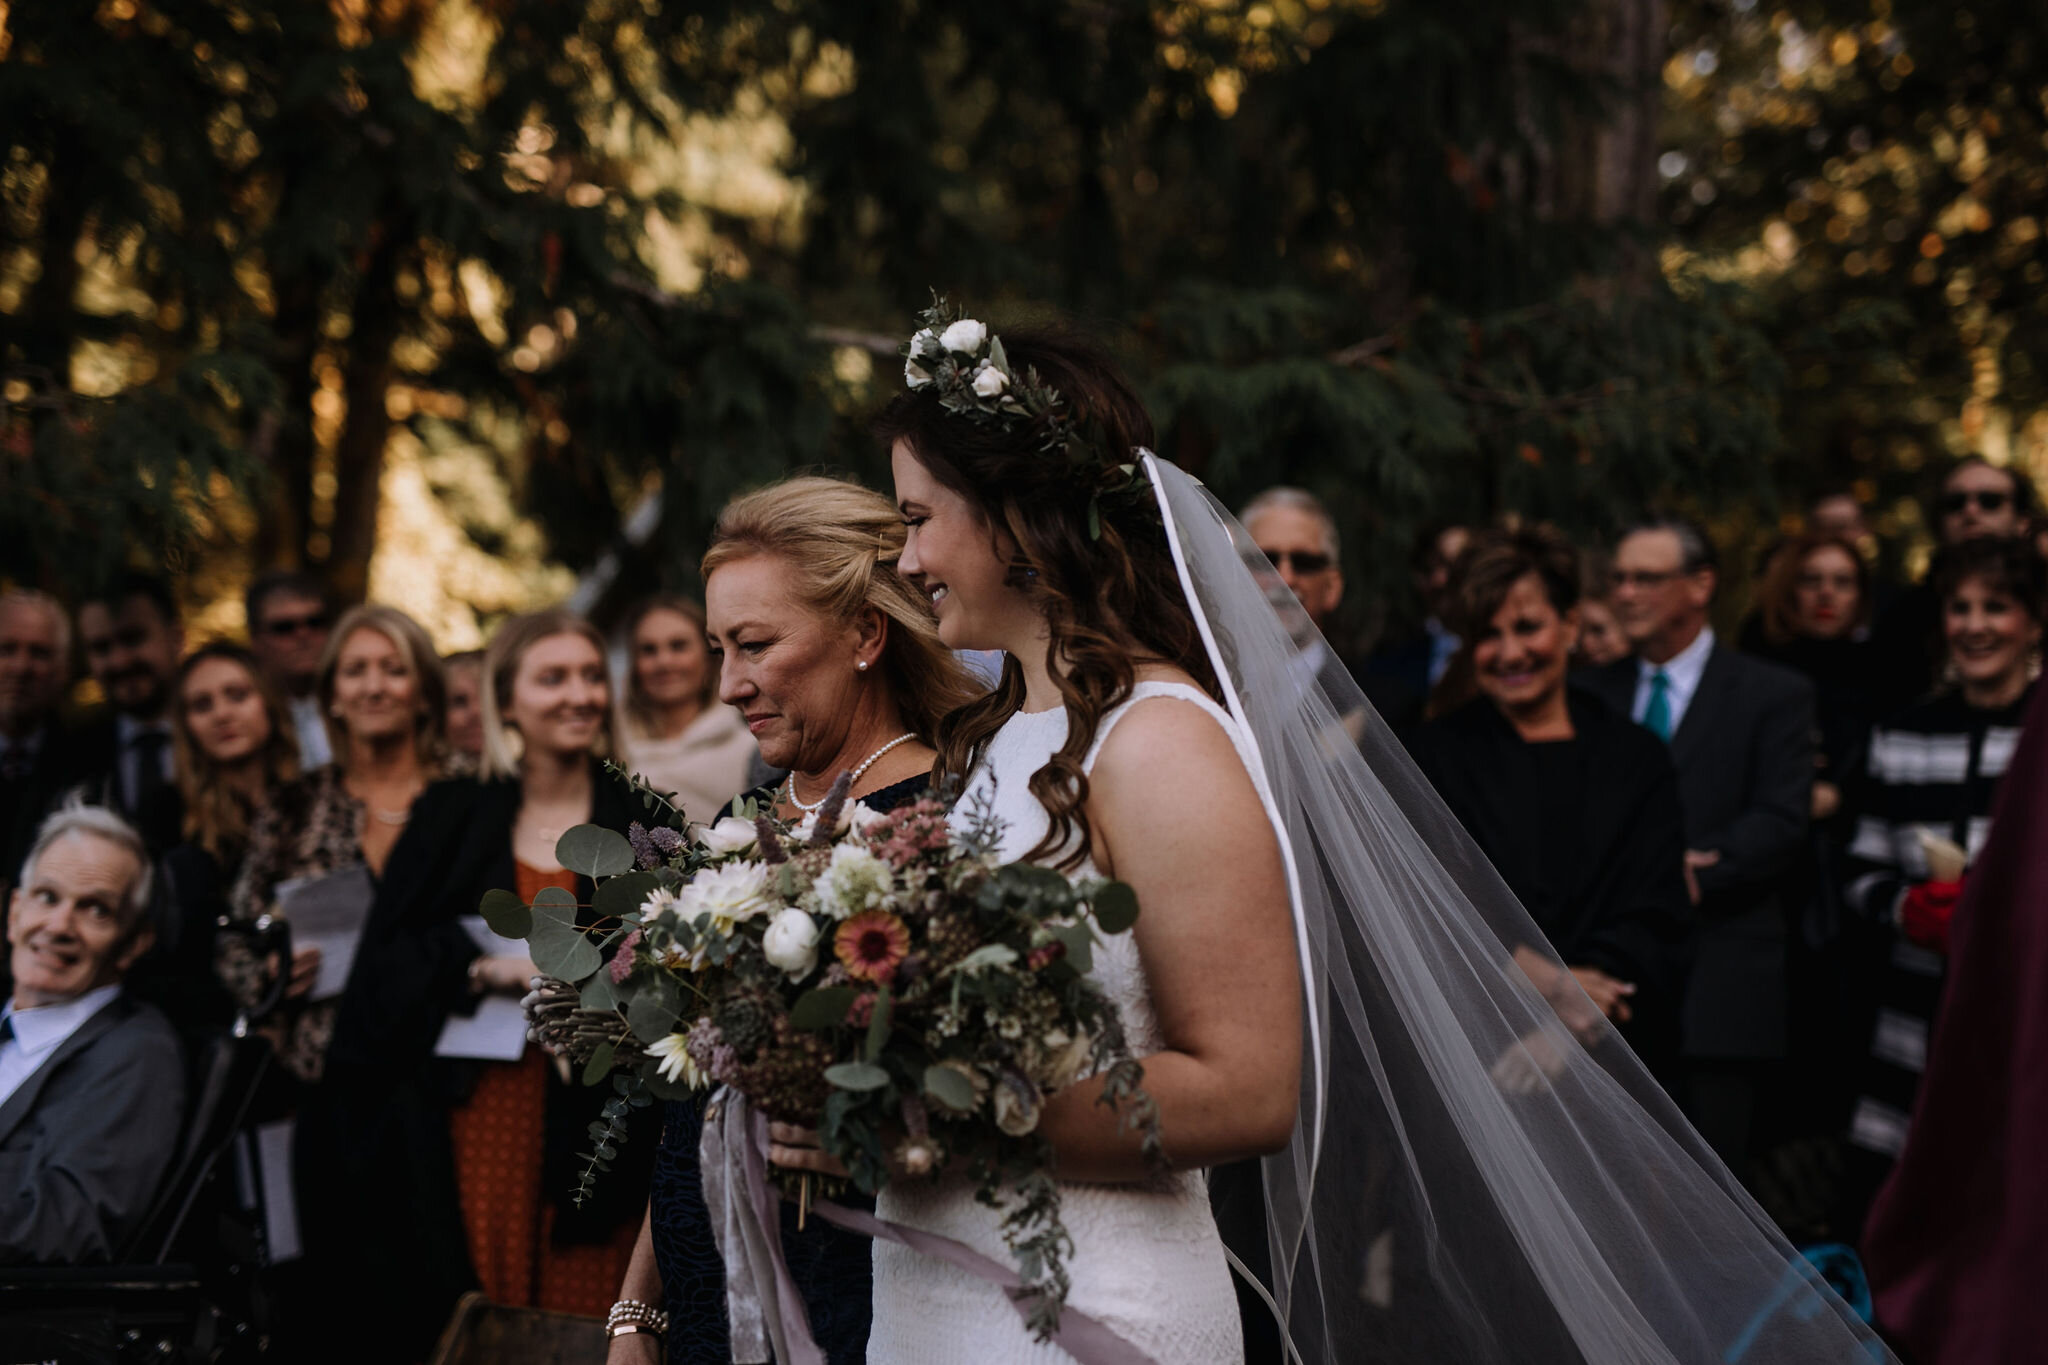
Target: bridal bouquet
column 885, row 979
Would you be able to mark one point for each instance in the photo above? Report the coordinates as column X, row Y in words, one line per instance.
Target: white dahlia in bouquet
column 882, row 977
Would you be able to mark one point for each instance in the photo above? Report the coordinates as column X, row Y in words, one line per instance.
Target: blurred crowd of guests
column 1746, row 851
column 335, row 751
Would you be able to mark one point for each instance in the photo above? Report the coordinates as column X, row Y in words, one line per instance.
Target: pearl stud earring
column 862, row 665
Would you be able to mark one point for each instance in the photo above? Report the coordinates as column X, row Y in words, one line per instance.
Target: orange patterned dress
column 509, row 1218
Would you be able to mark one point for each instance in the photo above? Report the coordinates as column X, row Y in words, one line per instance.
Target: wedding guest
column 481, row 1154
column 1418, row 661
column 36, row 758
column 1741, row 736
column 91, row 1083
column 835, row 661
column 234, row 743
column 673, row 731
column 133, row 640
column 1838, row 513
column 1601, row 639
column 289, row 615
column 382, row 694
column 465, row 674
column 1977, row 499
column 1933, row 772
column 1953, row 1243
column 1813, row 615
column 1576, row 808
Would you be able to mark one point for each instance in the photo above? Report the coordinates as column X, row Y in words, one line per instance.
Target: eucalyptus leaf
column 946, row 1085
column 878, row 1026
column 622, row 896
column 599, row 993
column 598, row 1067
column 594, row 851
column 650, row 1017
column 825, row 1007
column 1115, row 907
column 1080, row 942
column 508, row 916
column 563, row 953
column 857, row 1076
column 554, row 907
column 661, row 1087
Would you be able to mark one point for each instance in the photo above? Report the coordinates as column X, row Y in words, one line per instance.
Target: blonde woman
column 382, row 695
column 834, row 662
column 477, row 1153
column 674, row 732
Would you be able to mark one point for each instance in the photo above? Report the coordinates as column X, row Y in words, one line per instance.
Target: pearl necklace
column 811, row 807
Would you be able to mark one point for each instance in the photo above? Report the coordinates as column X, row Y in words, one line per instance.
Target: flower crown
column 973, row 378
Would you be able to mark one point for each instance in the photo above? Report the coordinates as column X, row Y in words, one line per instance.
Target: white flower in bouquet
column 990, row 381
column 675, row 1062
column 790, row 943
column 729, row 835
column 925, row 342
column 964, row 337
column 660, row 903
column 1063, row 1058
column 730, row 893
column 855, row 880
column 856, row 817
column 915, row 375
column 861, row 819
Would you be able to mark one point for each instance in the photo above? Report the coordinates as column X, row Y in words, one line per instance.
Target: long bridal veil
column 1480, row 1173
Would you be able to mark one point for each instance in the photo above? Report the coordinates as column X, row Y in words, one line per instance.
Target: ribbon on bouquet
column 762, row 1303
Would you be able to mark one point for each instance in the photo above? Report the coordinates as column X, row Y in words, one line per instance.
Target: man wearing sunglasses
column 289, row 617
column 1978, row 500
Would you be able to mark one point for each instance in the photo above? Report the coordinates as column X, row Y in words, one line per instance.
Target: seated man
column 92, row 1088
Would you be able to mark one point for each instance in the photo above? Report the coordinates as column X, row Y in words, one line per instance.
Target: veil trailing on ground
column 1482, row 1171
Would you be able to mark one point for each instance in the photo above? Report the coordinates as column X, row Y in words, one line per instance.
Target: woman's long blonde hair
column 217, row 816
column 409, row 638
column 503, row 746
column 841, row 542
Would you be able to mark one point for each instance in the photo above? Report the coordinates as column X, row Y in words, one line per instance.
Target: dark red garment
column 1957, row 1243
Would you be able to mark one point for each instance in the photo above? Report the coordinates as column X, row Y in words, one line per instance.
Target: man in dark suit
column 1741, row 735
column 91, row 1083
column 133, row 641
column 36, row 759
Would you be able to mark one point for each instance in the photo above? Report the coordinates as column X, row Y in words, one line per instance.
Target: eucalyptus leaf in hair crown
column 964, row 364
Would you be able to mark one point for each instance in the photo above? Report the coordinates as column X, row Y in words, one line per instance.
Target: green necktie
column 1657, row 715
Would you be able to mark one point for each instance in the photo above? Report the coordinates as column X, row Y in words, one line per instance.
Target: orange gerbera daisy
column 872, row 945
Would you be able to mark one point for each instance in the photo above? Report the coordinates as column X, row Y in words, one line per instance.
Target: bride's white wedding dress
column 1147, row 1259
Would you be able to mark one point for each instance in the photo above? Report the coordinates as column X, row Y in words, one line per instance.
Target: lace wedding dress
column 1147, row 1259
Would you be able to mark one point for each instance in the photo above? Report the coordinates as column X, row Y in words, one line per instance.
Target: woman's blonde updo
column 841, row 543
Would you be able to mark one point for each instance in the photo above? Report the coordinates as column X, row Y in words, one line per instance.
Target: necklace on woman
column 811, row 807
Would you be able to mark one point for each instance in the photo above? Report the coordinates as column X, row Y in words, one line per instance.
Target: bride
column 1322, row 971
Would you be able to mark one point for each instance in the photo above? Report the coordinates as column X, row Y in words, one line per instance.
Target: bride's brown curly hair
column 1110, row 600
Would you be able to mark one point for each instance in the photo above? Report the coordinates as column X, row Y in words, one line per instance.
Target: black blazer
column 1621, row 904
column 1744, row 753
column 86, row 1138
column 374, row 1136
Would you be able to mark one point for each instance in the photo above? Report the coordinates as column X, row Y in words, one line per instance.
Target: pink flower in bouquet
column 871, row 945
column 909, row 832
column 621, row 965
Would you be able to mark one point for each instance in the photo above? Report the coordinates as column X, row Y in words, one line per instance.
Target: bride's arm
column 1174, row 814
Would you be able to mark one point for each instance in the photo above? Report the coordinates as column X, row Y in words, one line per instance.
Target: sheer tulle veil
column 1470, row 1180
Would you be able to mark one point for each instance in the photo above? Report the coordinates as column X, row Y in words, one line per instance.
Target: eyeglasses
column 282, row 626
column 1986, row 500
column 1645, row 578
column 1299, row 561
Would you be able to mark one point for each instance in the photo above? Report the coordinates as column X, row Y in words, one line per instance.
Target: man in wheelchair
column 91, row 1082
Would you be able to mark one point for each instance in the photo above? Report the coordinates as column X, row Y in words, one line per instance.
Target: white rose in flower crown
column 729, row 893
column 855, row 880
column 990, row 381
column 730, row 835
column 790, row 943
column 914, row 375
column 964, row 337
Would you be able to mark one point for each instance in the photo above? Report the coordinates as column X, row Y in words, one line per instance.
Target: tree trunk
column 51, row 313
column 1602, row 168
column 359, row 452
column 281, row 535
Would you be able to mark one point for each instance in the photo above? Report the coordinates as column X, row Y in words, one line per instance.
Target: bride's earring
column 862, row 665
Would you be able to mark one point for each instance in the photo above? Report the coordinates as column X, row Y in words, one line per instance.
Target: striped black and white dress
column 1932, row 770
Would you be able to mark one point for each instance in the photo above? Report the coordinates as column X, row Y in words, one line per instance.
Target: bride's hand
column 798, row 1149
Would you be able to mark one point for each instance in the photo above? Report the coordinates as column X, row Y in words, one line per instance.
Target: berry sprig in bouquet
column 884, row 978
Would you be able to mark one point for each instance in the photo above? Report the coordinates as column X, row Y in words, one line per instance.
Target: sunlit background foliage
column 467, row 304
